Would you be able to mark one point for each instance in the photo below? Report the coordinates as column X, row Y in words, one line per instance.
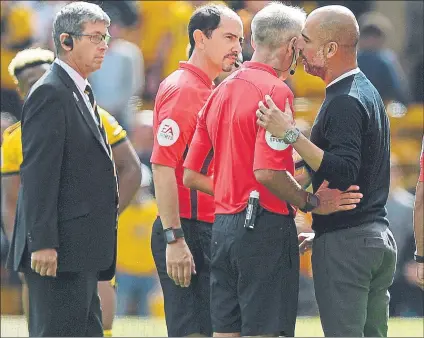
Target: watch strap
column 179, row 232
column 309, row 206
column 291, row 135
column 172, row 234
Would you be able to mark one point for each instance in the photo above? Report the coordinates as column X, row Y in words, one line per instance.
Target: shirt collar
column 78, row 79
column 345, row 75
column 261, row 66
column 197, row 71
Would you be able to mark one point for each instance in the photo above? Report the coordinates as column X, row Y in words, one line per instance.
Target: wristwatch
column 312, row 202
column 291, row 135
column 419, row 259
column 171, row 234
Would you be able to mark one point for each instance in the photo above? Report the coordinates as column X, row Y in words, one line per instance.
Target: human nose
column 238, row 47
column 103, row 45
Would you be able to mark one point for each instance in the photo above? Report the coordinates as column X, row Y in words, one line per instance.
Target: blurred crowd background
column 149, row 38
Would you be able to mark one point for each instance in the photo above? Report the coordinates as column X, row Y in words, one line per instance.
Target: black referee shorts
column 254, row 275
column 187, row 310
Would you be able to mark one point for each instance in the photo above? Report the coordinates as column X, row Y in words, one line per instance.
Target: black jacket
column 68, row 194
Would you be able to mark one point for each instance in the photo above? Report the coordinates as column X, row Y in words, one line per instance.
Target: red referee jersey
column 227, row 124
column 180, row 98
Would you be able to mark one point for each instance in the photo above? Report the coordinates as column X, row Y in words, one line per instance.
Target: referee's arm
column 283, row 185
column 197, row 181
column 166, row 191
column 200, row 147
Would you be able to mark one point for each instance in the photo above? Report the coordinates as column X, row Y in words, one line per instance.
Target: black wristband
column 419, row 259
column 312, row 202
column 171, row 234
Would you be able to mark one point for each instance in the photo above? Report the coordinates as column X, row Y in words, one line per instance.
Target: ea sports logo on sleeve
column 275, row 142
column 168, row 133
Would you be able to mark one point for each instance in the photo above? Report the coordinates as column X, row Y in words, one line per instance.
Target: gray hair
column 73, row 17
column 276, row 23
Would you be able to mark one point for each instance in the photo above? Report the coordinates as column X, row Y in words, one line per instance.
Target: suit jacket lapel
column 79, row 101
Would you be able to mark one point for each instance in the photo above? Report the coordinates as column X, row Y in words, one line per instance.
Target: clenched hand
column 179, row 263
column 44, row 262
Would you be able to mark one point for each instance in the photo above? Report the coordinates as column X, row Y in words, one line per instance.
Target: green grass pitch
column 15, row 326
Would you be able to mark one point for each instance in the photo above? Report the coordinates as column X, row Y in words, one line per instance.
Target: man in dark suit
column 354, row 252
column 65, row 228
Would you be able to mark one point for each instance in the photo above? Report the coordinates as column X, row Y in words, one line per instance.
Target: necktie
column 93, row 103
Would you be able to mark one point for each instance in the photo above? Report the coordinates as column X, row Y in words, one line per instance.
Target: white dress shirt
column 80, row 83
column 341, row 77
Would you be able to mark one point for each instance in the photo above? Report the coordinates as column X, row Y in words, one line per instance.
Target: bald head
column 335, row 23
column 329, row 41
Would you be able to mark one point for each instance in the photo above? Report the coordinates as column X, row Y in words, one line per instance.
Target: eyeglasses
column 96, row 38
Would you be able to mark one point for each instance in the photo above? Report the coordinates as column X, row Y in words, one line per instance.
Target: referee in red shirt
column 182, row 233
column 254, row 273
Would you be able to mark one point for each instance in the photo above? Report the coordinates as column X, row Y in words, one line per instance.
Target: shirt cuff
column 163, row 162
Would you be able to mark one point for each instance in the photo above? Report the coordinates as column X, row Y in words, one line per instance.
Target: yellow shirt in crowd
column 175, row 16
column 154, row 18
column 11, row 150
column 134, row 233
column 16, row 20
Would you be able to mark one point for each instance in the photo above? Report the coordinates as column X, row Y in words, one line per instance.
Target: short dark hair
column 374, row 24
column 123, row 13
column 373, row 31
column 206, row 18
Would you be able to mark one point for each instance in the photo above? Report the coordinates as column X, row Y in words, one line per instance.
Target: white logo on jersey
column 168, row 133
column 275, row 142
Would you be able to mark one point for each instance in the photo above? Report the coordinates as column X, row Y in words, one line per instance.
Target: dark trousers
column 187, row 310
column 353, row 269
column 254, row 275
column 67, row 305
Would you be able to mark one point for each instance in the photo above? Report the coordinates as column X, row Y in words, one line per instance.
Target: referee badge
column 168, row 133
column 275, row 142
